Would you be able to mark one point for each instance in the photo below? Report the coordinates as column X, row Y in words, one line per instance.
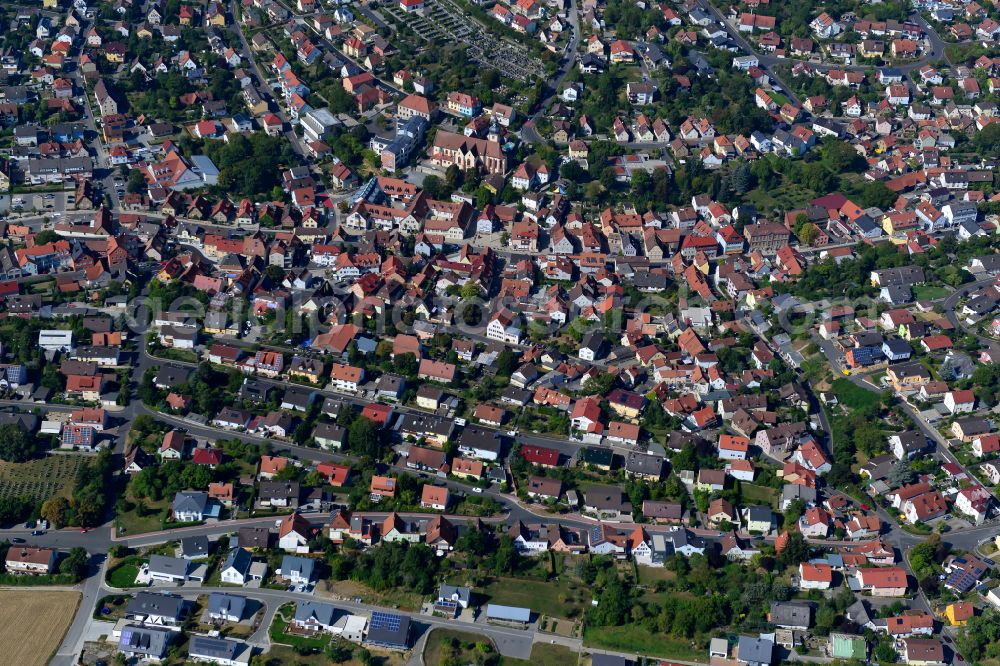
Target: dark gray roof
column 474, row 437
column 759, row 513
column 299, row 397
column 610, row 660
column 390, row 383
column 643, row 463
column 314, row 610
column 150, row 641
column 907, row 275
column 288, row 490
column 423, row 423
column 170, row 376
column 226, row 604
column 329, row 431
column 389, row 630
column 170, row 566
column 790, row 614
column 254, row 537
column 449, row 591
column 194, row 546
column 238, row 559
column 898, row 346
column 303, row 565
column 606, row 497
column 207, row 647
column 755, row 649
column 151, row 603
column 190, row 501
column 256, row 390
column 25, row 422
column 791, row 491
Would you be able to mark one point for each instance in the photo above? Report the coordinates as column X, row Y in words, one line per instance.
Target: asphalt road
column 529, row 133
column 511, row 642
column 247, row 54
column 768, row 61
column 966, row 539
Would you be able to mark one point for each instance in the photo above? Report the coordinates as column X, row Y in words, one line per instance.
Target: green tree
column 16, row 445
column 196, row 477
column 46, row 236
column 15, row 509
column 599, row 385
column 901, row 474
column 796, row 550
column 337, row 652
column 406, row 364
column 793, row 512
column 506, row 557
column 877, row 194
column 885, row 652
column 613, row 604
column 452, row 178
column 808, row 233
column 56, row 510
column 469, row 290
column 75, row 564
column 136, row 182
column 506, row 363
column 433, row 187
column 365, row 438
column 741, row 179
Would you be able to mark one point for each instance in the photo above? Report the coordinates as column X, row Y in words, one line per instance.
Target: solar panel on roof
column 381, row 620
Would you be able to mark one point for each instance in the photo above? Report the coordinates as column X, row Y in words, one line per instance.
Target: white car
column 477, row 489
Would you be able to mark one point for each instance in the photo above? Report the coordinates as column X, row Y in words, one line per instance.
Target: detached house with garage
column 190, row 506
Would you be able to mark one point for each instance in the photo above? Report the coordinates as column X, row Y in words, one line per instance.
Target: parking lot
column 47, row 203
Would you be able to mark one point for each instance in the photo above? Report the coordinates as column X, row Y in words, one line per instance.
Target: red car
column 83, row 529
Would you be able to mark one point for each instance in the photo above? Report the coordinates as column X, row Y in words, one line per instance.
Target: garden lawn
column 756, row 494
column 182, row 355
column 150, row 521
column 786, row 196
column 123, row 573
column 633, row 638
column 278, row 635
column 553, row 598
column 778, row 98
column 651, row 575
column 853, row 396
column 930, row 292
